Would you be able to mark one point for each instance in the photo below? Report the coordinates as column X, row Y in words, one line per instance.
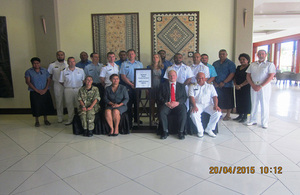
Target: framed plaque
column 143, row 78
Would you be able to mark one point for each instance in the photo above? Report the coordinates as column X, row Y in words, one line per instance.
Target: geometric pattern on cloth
column 115, row 32
column 175, row 32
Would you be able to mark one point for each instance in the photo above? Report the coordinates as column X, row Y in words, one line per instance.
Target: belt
column 72, row 87
column 257, row 82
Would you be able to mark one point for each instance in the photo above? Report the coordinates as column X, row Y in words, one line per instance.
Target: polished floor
column 51, row 160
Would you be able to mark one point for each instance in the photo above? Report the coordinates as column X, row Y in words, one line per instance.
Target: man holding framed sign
column 127, row 75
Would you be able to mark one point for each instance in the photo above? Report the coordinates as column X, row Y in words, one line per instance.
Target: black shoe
column 115, row 134
column 242, row 120
column 90, row 133
column 85, row 132
column 164, row 135
column 181, row 136
column 238, row 118
column 141, row 122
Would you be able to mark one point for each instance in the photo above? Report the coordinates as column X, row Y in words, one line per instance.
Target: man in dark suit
column 172, row 98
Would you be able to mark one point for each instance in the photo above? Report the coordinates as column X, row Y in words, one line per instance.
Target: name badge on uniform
column 67, row 74
column 56, row 67
column 91, row 70
column 110, row 70
column 126, row 66
column 257, row 82
column 195, row 89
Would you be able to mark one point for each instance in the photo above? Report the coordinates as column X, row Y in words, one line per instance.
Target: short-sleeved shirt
column 260, row 71
column 72, row 79
column 93, row 71
column 88, row 96
column 108, row 70
column 127, row 68
column 183, row 71
column 212, row 70
column 202, row 94
column 37, row 79
column 55, row 68
column 82, row 65
column 199, row 68
column 223, row 70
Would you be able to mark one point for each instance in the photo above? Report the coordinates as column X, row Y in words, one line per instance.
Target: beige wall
column 20, row 30
column 74, row 31
column 243, row 33
column 216, row 22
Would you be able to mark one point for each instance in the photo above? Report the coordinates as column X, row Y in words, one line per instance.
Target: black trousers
column 180, row 111
column 132, row 101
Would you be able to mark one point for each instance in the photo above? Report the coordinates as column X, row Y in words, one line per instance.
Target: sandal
column 37, row 124
column 226, row 118
column 47, row 122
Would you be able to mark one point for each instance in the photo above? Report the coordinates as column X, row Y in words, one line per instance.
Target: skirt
column 122, row 109
column 225, row 97
column 41, row 105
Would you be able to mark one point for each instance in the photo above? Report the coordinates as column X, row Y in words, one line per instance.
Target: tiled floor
column 51, row 160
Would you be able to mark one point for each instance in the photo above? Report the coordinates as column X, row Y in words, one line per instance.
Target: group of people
column 177, row 88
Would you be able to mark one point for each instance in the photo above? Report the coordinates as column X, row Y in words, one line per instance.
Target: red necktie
column 172, row 93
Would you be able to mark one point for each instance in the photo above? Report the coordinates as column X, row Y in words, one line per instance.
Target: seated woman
column 38, row 80
column 116, row 98
column 88, row 97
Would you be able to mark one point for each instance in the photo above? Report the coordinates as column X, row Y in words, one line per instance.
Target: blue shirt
column 93, row 71
column 223, row 70
column 37, row 79
column 127, row 68
column 82, row 65
column 167, row 64
column 212, row 71
column 119, row 63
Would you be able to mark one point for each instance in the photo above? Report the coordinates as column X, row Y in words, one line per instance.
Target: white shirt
column 260, row 71
column 108, row 70
column 183, row 71
column 55, row 68
column 72, row 79
column 199, row 68
column 202, row 94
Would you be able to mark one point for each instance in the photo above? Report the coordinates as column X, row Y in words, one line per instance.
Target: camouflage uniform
column 88, row 96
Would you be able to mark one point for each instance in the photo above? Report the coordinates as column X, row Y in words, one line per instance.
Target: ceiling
column 275, row 18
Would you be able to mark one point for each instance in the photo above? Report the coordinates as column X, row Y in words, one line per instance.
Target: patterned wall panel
column 115, row 32
column 175, row 33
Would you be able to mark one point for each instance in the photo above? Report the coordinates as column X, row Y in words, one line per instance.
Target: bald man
column 204, row 98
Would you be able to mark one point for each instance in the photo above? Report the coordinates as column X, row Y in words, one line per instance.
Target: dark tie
column 172, row 93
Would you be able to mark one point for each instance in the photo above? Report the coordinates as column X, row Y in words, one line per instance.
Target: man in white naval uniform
column 72, row 79
column 54, row 69
column 198, row 66
column 109, row 69
column 204, row 98
column 184, row 73
column 259, row 76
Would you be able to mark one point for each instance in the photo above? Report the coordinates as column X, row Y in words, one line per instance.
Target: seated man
column 172, row 98
column 200, row 95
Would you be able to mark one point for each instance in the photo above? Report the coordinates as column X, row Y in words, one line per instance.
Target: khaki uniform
column 88, row 96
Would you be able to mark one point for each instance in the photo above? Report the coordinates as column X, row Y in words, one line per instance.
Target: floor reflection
column 285, row 102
